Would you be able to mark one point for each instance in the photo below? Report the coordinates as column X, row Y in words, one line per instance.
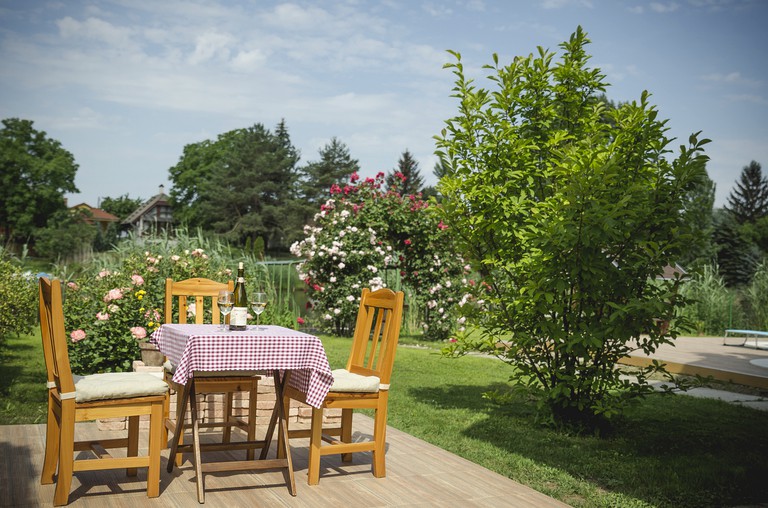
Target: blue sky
column 125, row 84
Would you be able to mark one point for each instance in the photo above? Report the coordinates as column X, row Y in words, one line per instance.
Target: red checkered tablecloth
column 206, row 348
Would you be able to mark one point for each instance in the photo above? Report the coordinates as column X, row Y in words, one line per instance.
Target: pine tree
column 406, row 178
column 748, row 202
column 334, row 167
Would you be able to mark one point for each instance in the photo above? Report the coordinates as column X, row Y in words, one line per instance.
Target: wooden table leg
column 283, row 426
column 197, row 461
column 180, row 416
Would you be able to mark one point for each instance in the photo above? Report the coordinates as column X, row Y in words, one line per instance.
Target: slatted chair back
column 193, row 293
column 377, row 331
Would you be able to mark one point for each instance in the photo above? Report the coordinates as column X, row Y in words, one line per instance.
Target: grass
column 667, row 451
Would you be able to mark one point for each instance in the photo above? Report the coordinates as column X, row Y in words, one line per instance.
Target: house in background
column 152, row 216
column 95, row 216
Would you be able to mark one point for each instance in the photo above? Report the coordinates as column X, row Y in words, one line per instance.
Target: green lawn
column 670, row 451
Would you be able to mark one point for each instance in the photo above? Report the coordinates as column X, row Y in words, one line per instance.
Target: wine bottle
column 239, row 316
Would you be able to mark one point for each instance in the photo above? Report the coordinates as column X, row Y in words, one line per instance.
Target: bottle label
column 238, row 317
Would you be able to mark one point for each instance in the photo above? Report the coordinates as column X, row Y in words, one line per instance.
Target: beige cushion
column 118, row 385
column 345, row 381
column 171, row 369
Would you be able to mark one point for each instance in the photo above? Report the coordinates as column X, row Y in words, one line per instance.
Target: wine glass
column 226, row 301
column 258, row 304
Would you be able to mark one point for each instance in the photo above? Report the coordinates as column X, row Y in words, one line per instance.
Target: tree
column 698, row 213
column 68, row 236
column 569, row 221
column 121, row 206
column 737, row 255
column 35, row 173
column 406, row 178
column 335, row 166
column 240, row 186
column 748, row 201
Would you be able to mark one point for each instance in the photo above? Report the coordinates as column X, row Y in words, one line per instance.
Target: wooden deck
column 708, row 356
column 418, row 474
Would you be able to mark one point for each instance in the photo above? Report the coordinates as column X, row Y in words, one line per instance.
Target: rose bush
column 365, row 236
column 108, row 312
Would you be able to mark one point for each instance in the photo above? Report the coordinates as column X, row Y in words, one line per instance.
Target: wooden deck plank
column 418, row 474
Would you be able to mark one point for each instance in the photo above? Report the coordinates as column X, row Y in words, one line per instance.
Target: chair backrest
column 54, row 337
column 377, row 332
column 197, row 290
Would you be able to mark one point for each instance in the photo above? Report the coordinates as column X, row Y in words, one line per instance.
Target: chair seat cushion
column 171, row 369
column 118, row 385
column 345, row 381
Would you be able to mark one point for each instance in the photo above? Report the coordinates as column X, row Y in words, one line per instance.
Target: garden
column 556, row 213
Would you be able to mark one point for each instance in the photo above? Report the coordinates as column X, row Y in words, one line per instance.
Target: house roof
column 672, row 272
column 159, row 199
column 97, row 214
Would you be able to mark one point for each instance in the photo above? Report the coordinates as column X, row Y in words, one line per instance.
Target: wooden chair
column 195, row 291
column 364, row 384
column 92, row 397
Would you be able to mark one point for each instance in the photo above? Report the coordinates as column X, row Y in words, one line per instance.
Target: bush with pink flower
column 365, row 236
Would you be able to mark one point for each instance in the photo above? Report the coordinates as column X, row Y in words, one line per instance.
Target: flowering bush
column 367, row 237
column 109, row 312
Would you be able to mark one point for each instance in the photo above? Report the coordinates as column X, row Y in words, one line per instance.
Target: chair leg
column 133, row 442
column 315, row 442
column 66, row 454
column 380, row 439
column 180, row 424
column 52, row 435
column 156, row 444
column 346, row 432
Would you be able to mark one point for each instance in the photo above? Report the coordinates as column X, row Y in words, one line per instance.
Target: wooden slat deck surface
column 418, row 474
column 709, row 356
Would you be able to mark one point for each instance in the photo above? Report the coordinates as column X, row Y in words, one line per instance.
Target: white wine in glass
column 258, row 304
column 226, row 301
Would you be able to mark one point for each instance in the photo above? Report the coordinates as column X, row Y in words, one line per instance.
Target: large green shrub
column 570, row 210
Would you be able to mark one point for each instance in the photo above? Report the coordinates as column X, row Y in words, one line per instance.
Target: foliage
column 18, row 300
column 240, row 186
column 710, row 302
column 737, row 254
column 121, row 206
column 569, row 221
column 698, row 213
column 748, row 201
column 406, row 178
column 66, row 234
column 365, row 237
column 335, row 165
column 35, row 173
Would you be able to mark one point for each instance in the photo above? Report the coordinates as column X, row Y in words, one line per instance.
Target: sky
column 125, row 85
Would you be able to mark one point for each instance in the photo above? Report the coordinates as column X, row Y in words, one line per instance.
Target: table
column 747, row 334
column 294, row 358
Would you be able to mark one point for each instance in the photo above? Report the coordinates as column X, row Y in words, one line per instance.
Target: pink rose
column 73, row 286
column 77, row 335
column 138, row 332
column 300, row 320
column 137, row 280
column 102, row 316
column 114, row 294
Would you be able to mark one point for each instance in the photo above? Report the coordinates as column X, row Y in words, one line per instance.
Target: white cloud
column 211, row 45
column 663, row 8
column 734, row 78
